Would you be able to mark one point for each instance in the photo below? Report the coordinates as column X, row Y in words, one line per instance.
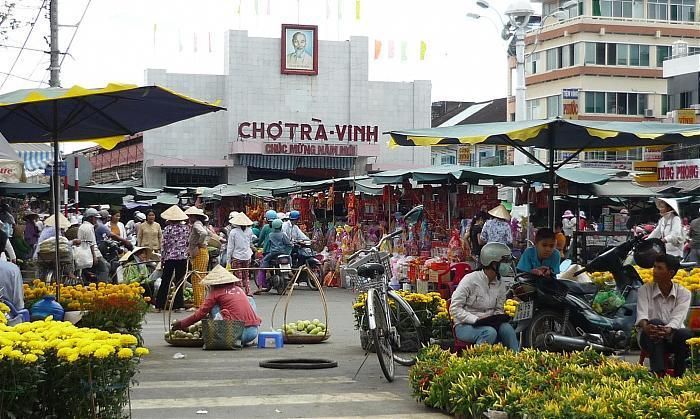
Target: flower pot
column 73, row 316
column 45, row 307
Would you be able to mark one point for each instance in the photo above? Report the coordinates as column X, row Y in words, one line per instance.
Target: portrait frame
column 309, row 54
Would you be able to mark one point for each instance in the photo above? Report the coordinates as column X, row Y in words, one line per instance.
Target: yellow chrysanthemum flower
column 101, row 353
column 125, row 353
column 141, row 351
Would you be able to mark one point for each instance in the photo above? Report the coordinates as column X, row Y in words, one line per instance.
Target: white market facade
column 286, row 125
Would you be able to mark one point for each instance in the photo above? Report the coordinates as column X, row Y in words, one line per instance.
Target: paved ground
column 230, row 384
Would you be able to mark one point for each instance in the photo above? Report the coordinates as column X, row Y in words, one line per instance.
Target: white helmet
column 494, row 252
column 282, row 216
column 91, row 212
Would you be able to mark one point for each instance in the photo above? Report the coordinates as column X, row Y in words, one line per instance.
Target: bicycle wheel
column 409, row 334
column 380, row 333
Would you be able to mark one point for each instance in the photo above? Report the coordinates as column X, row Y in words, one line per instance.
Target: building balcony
column 553, row 28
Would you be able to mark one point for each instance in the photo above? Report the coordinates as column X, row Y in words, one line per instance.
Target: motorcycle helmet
column 294, row 215
column 647, row 251
column 277, row 224
column 494, row 252
column 271, row 215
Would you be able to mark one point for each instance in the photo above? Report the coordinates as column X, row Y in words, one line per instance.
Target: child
column 541, row 260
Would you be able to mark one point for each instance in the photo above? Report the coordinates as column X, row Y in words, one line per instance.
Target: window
column 533, row 109
column 615, row 8
column 674, row 10
column 622, row 54
column 665, row 104
column 634, row 55
column 448, row 159
column 549, row 8
column 661, row 54
column 552, row 59
column 554, row 106
column 616, row 103
column 532, row 63
column 685, row 100
column 595, row 102
column 612, row 54
column 657, row 9
column 644, row 55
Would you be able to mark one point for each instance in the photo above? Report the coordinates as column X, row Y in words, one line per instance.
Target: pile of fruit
column 601, row 278
column 192, row 332
column 304, row 327
column 688, row 279
column 511, row 307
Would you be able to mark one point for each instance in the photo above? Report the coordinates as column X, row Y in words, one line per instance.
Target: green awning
column 23, row 188
column 500, row 173
column 115, row 188
column 557, row 134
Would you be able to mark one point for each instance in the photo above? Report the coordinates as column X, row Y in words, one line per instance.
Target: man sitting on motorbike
column 292, row 230
column 478, row 301
column 543, row 259
column 264, row 242
column 662, row 306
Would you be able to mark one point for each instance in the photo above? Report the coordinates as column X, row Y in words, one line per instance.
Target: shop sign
column 626, row 165
column 10, row 171
column 570, row 103
column 650, row 167
column 679, row 170
column 300, row 149
column 685, row 116
column 653, row 153
column 307, row 132
column 464, row 153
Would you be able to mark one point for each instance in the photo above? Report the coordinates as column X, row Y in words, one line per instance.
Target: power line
column 36, row 19
column 20, row 77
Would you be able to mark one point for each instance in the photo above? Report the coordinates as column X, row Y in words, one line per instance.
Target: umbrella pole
column 552, row 179
column 56, row 197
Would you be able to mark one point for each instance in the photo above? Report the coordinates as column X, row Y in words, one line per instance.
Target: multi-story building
column 612, row 52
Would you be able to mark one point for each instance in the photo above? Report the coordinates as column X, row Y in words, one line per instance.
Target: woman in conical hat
column 669, row 228
column 239, row 248
column 225, row 297
column 173, row 255
column 497, row 229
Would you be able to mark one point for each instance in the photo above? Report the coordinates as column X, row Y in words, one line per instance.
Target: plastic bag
column 607, row 301
column 83, row 256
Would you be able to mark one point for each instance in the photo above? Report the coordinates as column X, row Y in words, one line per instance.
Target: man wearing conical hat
column 226, row 298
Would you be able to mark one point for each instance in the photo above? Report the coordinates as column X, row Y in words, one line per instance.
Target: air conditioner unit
column 648, row 113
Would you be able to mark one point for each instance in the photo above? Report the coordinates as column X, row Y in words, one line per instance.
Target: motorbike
column 304, row 255
column 286, row 266
column 557, row 314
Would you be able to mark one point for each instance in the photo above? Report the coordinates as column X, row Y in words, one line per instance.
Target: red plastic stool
column 667, row 361
column 459, row 269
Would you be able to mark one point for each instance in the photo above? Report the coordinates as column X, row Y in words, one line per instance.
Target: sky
column 465, row 58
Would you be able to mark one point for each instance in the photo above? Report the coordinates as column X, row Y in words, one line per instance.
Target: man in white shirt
column 292, row 230
column 662, row 307
column 11, row 281
column 86, row 233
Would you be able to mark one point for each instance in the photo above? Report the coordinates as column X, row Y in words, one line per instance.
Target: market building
column 607, row 57
column 307, row 119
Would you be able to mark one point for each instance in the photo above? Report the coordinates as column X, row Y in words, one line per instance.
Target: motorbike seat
column 370, row 270
column 579, row 288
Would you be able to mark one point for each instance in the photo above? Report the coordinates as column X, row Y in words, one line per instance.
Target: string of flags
column 386, row 49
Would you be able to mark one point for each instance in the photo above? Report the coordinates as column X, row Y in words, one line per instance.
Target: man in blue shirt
column 543, row 259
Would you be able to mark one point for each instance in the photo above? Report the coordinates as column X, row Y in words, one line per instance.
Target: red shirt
column 232, row 301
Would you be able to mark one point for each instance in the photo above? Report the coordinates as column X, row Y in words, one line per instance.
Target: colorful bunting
column 377, row 49
column 357, row 9
column 340, row 9
column 194, row 41
column 209, row 40
column 390, row 53
column 238, row 7
column 257, row 8
column 423, row 50
column 404, row 52
column 179, row 41
column 155, row 29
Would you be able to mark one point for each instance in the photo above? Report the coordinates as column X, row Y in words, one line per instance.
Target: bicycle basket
column 358, row 283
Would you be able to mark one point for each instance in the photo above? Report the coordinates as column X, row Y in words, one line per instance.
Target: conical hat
column 195, row 211
column 673, row 203
column 62, row 221
column 174, row 213
column 241, row 219
column 500, row 212
column 219, row 276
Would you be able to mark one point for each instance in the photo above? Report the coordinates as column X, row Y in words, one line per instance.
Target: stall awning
column 23, row 188
column 116, row 188
column 35, row 156
column 295, row 162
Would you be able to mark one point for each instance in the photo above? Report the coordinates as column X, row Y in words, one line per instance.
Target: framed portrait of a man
column 299, row 49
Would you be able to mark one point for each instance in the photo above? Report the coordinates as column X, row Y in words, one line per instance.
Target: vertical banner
column 377, row 49
column 423, row 50
column 194, row 42
column 570, row 103
column 390, row 52
column 209, row 41
column 257, row 7
column 268, row 7
column 404, row 51
column 328, row 9
column 179, row 41
column 357, row 9
column 340, row 9
column 155, row 30
column 238, row 7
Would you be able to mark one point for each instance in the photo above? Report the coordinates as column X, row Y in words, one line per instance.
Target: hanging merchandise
column 350, row 199
column 318, row 241
column 519, row 196
column 454, row 249
column 542, row 200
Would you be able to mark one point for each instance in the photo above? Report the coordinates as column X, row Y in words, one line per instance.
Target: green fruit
column 300, row 327
column 316, row 321
column 322, row 326
column 309, row 328
column 316, row 331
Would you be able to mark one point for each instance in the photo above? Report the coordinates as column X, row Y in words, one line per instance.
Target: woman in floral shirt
column 173, row 255
column 497, row 229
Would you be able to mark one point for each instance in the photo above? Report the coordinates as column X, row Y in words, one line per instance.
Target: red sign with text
column 679, row 170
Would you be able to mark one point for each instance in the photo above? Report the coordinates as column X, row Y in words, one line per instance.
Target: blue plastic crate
column 270, row 340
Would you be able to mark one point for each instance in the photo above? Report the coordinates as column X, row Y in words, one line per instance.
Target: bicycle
column 387, row 312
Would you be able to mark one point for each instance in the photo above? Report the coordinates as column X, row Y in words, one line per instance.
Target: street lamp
column 519, row 16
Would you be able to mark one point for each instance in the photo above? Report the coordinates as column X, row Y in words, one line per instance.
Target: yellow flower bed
column 688, row 279
column 55, row 369
column 81, row 297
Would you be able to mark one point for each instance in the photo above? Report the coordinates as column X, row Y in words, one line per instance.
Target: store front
column 282, row 123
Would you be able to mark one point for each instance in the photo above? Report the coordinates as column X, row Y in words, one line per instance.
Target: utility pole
column 54, row 67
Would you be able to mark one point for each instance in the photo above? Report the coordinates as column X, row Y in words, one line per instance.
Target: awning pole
column 552, row 179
